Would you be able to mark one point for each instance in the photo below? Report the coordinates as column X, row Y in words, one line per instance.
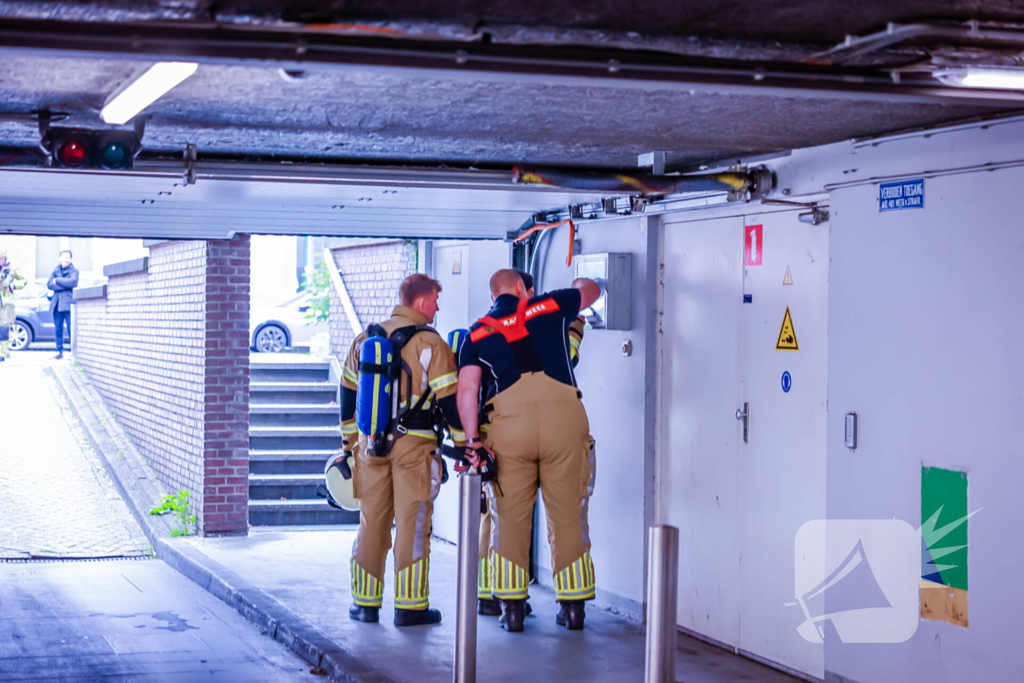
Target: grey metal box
column 614, row 310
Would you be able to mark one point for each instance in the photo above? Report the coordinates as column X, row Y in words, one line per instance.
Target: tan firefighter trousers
column 539, row 435
column 396, row 489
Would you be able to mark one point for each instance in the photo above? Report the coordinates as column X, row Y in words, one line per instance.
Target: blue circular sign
column 787, row 381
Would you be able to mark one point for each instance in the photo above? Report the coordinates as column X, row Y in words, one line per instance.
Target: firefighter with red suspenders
column 538, row 434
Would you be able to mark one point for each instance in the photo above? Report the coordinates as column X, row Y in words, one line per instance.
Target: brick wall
column 168, row 349
column 372, row 274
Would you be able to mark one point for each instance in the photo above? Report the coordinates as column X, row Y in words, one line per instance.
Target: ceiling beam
column 620, row 69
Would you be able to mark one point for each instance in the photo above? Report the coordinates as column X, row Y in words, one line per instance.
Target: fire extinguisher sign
column 753, row 245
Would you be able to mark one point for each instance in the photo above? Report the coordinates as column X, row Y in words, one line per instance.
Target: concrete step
column 289, row 372
column 289, row 438
column 290, row 461
column 291, row 512
column 288, row 486
column 291, row 392
column 294, row 415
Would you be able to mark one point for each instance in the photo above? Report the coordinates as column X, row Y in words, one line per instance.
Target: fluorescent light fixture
column 145, row 90
column 982, row 77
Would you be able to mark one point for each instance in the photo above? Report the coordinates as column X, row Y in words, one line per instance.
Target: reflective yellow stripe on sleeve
column 349, row 374
column 444, row 381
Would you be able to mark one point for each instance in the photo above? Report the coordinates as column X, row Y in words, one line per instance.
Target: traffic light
column 89, row 148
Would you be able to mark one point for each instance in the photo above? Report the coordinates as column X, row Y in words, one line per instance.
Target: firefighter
column 10, row 282
column 487, row 604
column 538, row 434
column 400, row 486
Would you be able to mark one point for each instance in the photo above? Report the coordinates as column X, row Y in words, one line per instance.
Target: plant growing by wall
column 177, row 503
column 319, row 289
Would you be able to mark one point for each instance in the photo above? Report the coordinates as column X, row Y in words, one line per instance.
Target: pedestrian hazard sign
column 787, row 335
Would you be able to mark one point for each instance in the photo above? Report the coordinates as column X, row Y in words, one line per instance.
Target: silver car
column 273, row 330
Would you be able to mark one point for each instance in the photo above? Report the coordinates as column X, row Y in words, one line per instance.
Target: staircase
column 293, row 428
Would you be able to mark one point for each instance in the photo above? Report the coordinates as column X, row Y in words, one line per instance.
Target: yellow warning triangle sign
column 787, row 335
column 788, row 280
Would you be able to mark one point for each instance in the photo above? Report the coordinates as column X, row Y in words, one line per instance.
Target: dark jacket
column 63, row 283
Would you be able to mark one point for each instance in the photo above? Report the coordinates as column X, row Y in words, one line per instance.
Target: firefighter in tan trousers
column 539, row 435
column 400, row 487
column 487, row 604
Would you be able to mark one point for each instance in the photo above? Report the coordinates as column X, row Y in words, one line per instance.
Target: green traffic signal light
column 115, row 155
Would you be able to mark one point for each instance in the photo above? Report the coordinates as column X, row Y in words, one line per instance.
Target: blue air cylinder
column 373, row 398
column 455, row 340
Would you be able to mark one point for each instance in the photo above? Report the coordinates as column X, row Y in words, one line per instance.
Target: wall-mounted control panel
column 614, row 272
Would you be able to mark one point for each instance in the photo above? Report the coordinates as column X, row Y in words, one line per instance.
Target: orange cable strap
column 549, row 226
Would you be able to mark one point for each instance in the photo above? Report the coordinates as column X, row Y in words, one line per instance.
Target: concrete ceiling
column 247, row 109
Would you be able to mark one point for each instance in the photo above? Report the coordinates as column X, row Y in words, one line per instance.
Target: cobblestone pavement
column 56, row 499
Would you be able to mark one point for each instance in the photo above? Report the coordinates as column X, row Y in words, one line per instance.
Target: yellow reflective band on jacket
column 574, row 346
column 349, row 374
column 349, row 428
column 457, row 434
column 367, row 590
column 422, row 433
column 444, row 381
column 509, row 581
column 411, row 586
column 576, row 582
column 483, row 581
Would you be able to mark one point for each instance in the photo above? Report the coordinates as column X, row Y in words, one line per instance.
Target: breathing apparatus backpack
column 381, row 414
column 455, row 340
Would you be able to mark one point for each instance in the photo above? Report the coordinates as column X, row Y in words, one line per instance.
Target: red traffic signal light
column 86, row 148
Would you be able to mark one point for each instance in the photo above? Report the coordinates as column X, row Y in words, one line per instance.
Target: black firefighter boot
column 367, row 615
column 488, row 607
column 512, row 619
column 572, row 614
column 416, row 617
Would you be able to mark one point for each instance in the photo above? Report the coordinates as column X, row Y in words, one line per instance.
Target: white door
column 701, row 389
column 782, row 466
column 738, row 505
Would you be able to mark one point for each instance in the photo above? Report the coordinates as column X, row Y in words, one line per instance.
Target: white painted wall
column 925, row 345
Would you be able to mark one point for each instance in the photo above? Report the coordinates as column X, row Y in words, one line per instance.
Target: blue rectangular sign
column 906, row 194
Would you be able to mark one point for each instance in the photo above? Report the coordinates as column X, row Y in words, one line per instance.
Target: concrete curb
column 141, row 490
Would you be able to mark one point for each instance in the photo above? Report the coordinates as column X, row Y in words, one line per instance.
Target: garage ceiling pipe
column 752, row 184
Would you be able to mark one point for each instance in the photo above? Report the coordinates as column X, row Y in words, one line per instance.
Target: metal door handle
column 745, row 416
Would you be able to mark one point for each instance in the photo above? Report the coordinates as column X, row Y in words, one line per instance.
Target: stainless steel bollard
column 465, row 605
column 662, row 591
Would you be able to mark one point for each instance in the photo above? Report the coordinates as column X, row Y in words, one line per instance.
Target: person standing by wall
column 63, row 282
column 10, row 281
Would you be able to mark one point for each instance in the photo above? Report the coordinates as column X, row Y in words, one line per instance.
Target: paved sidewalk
column 307, row 573
column 135, row 621
column 56, row 499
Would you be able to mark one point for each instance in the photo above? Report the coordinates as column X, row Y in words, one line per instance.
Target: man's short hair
column 416, row 286
column 66, row 251
column 526, row 278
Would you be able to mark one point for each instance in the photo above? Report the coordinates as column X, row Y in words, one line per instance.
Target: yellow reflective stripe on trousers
column 483, row 581
column 576, row 582
column 444, row 381
column 509, row 581
column 422, row 433
column 412, row 587
column 367, row 590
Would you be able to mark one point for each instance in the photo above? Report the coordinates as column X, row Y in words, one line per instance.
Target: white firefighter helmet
column 338, row 473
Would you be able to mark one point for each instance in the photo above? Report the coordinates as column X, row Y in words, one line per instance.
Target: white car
column 273, row 330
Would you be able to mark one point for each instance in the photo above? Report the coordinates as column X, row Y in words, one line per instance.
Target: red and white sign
column 753, row 245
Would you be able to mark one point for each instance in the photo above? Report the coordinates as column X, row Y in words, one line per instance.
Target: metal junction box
column 614, row 272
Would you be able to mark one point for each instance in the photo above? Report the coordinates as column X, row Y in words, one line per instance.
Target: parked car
column 33, row 320
column 273, row 330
